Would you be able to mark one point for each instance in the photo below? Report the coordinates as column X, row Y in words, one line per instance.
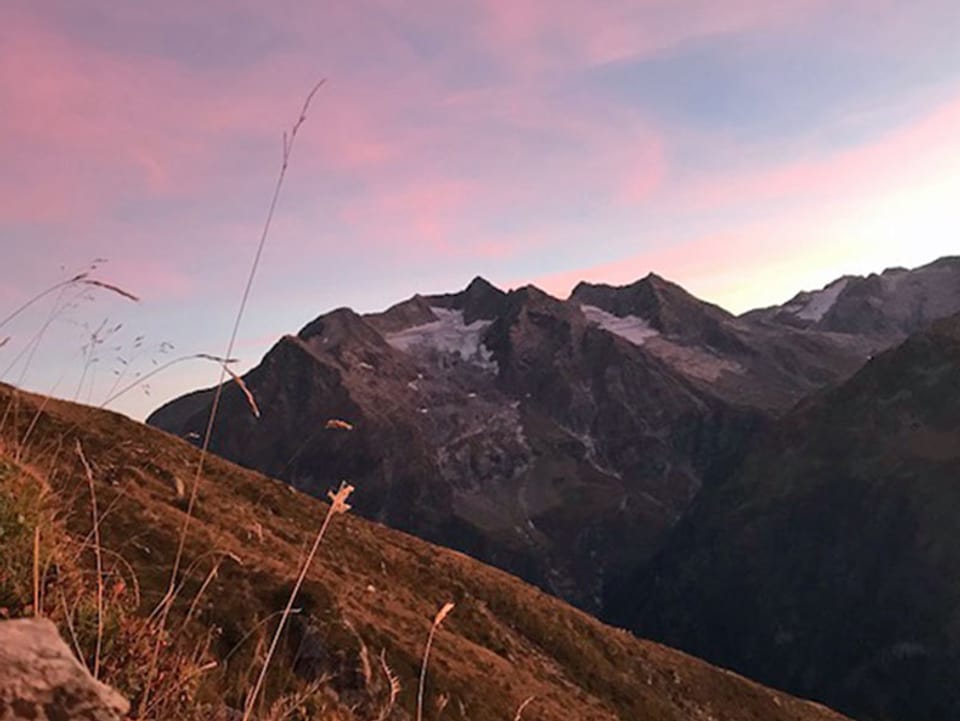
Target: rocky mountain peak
column 530, row 298
column 339, row 328
column 412, row 312
column 481, row 285
column 667, row 309
column 666, row 306
column 480, row 300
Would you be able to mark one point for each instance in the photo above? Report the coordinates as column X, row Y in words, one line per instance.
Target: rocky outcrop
column 41, row 680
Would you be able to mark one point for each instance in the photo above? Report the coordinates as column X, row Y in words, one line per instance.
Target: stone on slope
column 40, row 680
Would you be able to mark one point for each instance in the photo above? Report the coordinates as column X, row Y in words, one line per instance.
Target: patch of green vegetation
column 21, row 512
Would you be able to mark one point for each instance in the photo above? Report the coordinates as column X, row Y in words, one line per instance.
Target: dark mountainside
column 361, row 617
column 559, row 440
column 525, row 435
column 829, row 565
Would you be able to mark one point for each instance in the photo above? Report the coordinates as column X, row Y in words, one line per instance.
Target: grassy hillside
column 367, row 604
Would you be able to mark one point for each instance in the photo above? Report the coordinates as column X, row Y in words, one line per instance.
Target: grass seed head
column 109, row 286
column 443, row 613
column 339, row 499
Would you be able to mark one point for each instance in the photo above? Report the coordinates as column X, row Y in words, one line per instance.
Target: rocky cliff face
column 829, row 564
column 560, row 440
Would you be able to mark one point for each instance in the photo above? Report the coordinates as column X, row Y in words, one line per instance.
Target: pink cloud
column 426, row 161
column 820, row 233
column 152, row 279
column 79, row 127
column 537, row 35
column 926, row 146
column 94, row 127
column 739, row 268
column 85, row 125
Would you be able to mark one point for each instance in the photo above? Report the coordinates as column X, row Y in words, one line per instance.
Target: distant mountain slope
column 767, row 366
column 888, row 306
column 560, row 440
column 830, row 564
column 371, row 588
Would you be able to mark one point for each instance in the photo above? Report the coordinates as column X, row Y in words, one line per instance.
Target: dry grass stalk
column 79, row 277
column 112, row 288
column 99, row 558
column 61, row 305
column 37, row 611
column 199, row 594
column 216, row 358
column 365, row 667
column 251, row 401
column 437, row 620
column 393, row 687
column 160, row 369
column 256, row 627
column 522, row 707
column 168, row 599
column 292, row 705
column 180, row 684
column 338, row 504
column 68, row 619
column 23, row 446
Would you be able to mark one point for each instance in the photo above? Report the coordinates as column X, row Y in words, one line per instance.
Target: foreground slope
column 830, row 564
column 503, row 643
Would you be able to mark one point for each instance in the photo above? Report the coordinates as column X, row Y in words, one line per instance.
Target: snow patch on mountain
column 448, row 334
column 820, row 302
column 630, row 327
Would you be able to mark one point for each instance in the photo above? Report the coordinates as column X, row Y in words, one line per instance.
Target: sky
column 746, row 149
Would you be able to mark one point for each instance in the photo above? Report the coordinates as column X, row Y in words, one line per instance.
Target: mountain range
column 583, row 444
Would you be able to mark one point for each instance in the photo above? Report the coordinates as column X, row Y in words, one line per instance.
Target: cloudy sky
column 746, row 149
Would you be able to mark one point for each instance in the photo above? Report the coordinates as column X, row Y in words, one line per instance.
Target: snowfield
column 448, row 334
column 634, row 329
column 821, row 301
